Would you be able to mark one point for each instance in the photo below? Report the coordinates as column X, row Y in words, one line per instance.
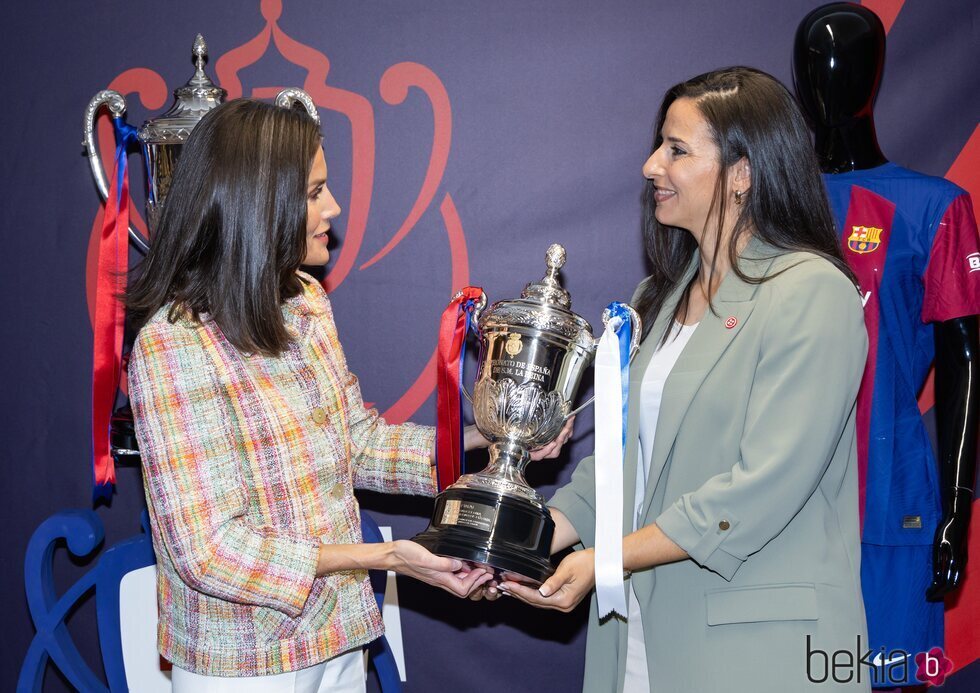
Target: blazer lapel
column 637, row 369
column 733, row 305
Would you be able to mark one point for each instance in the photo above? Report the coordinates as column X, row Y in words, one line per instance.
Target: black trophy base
column 507, row 535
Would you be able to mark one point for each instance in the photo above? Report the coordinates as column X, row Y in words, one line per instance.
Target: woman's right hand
column 451, row 574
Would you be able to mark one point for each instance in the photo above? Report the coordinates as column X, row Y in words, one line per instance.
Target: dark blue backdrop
column 550, row 105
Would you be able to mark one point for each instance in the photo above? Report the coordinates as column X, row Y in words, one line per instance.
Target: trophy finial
column 171, row 129
column 555, row 257
column 200, row 53
column 548, row 289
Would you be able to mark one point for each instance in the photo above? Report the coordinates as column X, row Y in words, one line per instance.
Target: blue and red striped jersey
column 912, row 241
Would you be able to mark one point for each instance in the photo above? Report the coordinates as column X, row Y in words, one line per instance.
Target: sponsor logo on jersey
column 864, row 239
column 973, row 260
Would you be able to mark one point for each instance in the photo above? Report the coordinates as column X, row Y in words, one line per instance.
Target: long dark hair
column 233, row 229
column 749, row 114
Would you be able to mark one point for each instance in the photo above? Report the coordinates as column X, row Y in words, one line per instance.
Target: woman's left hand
column 473, row 439
column 573, row 580
column 553, row 449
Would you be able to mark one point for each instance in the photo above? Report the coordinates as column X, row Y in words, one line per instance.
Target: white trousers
column 342, row 674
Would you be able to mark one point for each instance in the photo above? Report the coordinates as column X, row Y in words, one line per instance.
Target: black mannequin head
column 838, row 59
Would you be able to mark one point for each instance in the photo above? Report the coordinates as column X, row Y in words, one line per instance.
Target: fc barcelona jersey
column 912, row 241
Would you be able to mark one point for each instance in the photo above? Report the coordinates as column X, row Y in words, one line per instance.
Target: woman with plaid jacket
column 252, row 430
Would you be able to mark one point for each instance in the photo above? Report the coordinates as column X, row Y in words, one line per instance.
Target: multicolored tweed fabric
column 249, row 462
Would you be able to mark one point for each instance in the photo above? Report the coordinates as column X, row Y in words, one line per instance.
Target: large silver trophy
column 534, row 351
column 162, row 138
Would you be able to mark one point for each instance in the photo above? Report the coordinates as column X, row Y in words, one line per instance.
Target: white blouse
column 651, row 395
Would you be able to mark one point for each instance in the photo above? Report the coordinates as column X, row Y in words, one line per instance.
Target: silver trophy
column 534, row 351
column 162, row 138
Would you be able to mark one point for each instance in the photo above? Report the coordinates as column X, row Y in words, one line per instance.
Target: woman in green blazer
column 743, row 569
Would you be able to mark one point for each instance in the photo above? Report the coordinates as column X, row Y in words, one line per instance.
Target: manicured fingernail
column 544, row 591
column 457, row 565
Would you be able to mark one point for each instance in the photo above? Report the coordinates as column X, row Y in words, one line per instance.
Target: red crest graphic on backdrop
column 393, row 87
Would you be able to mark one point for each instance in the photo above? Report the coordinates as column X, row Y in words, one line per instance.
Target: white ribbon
column 609, row 474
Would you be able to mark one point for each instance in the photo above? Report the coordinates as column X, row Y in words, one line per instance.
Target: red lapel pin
column 731, row 322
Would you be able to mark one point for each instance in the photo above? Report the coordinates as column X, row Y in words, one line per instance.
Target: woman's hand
column 573, row 580
column 553, row 449
column 404, row 557
column 565, row 535
column 490, row 590
column 411, row 559
column 473, row 439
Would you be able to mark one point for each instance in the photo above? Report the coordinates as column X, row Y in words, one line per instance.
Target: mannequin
column 838, row 61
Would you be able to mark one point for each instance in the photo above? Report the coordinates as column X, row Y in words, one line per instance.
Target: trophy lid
column 191, row 102
column 544, row 305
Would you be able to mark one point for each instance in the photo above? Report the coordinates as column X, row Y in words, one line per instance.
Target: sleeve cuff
column 578, row 512
column 703, row 548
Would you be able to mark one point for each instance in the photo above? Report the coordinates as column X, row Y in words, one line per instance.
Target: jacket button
column 319, row 415
column 337, row 491
column 724, row 525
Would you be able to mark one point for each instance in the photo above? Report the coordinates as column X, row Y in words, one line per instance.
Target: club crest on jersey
column 864, row 239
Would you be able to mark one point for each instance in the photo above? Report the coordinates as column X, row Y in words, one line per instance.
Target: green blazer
column 754, row 474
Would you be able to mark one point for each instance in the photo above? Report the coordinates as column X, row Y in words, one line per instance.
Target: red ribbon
column 109, row 316
column 449, row 429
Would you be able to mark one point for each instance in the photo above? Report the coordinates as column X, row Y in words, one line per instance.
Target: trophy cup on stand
column 533, row 354
column 160, row 141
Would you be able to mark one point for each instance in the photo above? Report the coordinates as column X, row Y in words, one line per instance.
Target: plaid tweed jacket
column 249, row 462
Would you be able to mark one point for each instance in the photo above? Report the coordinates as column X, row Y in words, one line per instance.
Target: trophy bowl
column 533, row 354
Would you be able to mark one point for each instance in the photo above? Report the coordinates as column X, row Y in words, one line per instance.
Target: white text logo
column 973, row 259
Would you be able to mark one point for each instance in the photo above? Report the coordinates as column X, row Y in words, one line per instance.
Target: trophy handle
column 475, row 323
column 116, row 104
column 635, row 332
column 579, row 408
column 288, row 98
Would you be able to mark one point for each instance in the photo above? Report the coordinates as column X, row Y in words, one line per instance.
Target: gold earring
column 738, row 196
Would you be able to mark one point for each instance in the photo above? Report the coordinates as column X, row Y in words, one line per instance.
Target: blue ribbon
column 125, row 135
column 468, row 307
column 616, row 309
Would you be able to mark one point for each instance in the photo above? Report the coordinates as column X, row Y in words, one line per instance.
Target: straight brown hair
column 233, row 229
